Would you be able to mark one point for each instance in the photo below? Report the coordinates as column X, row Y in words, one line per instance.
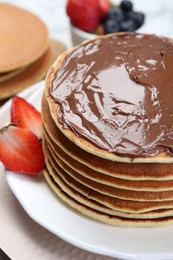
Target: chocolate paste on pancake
column 117, row 92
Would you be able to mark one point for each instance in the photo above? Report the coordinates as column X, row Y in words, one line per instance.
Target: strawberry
column 104, row 6
column 20, row 150
column 25, row 115
column 83, row 14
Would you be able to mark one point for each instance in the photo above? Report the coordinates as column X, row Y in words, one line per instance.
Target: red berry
column 20, row 150
column 104, row 6
column 83, row 14
column 25, row 115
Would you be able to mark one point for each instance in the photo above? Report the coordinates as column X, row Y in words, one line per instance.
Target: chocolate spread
column 117, row 92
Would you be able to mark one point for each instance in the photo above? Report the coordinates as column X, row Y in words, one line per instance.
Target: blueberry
column 137, row 17
column 128, row 25
column 111, row 26
column 126, row 5
column 115, row 13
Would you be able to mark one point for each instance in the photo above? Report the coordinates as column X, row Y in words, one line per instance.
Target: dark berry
column 126, row 5
column 111, row 26
column 137, row 17
column 115, row 13
column 128, row 25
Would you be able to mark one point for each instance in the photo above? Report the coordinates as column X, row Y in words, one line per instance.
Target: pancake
column 111, row 202
column 128, row 171
column 107, row 129
column 24, row 38
column 82, row 142
column 112, row 220
column 32, row 73
column 7, row 75
column 75, row 190
column 81, row 194
column 148, row 185
column 112, row 191
column 117, row 204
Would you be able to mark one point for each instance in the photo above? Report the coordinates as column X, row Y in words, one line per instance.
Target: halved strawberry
column 20, row 150
column 25, row 115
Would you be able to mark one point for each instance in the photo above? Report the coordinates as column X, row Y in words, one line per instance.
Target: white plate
column 46, row 209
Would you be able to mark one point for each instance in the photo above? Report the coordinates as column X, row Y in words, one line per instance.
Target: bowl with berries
column 89, row 18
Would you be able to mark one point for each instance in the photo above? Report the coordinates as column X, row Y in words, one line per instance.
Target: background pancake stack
column 95, row 182
column 25, row 49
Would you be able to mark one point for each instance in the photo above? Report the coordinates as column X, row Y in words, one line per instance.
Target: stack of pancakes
column 123, row 186
column 25, row 49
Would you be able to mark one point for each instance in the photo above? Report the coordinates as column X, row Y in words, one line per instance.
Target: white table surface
column 20, row 236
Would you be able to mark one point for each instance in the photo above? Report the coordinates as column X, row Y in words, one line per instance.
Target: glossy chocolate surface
column 117, row 93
